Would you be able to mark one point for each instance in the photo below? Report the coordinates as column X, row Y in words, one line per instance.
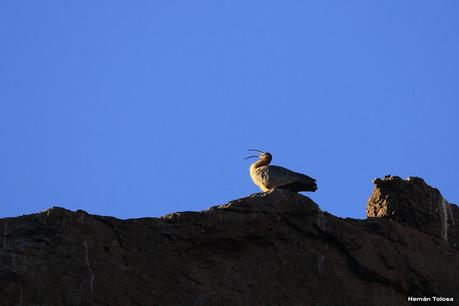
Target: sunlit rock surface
column 267, row 249
column 413, row 202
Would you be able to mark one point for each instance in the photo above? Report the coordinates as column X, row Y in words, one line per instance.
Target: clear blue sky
column 141, row 108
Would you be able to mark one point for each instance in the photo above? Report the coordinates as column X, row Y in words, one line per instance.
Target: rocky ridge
column 277, row 248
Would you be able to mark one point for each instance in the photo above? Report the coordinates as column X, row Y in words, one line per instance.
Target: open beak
column 255, row 150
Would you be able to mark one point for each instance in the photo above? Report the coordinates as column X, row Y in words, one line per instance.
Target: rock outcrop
column 413, row 202
column 276, row 248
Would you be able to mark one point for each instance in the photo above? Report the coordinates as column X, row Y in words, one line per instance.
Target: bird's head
column 265, row 156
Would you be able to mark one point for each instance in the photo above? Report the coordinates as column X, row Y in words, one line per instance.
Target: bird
column 269, row 177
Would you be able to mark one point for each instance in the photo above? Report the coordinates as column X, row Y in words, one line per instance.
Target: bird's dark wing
column 274, row 176
column 279, row 177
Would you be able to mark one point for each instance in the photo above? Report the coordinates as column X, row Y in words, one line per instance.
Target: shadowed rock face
column 413, row 202
column 277, row 248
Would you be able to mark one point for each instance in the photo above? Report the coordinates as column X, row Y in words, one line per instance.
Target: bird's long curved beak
column 251, row 157
column 255, row 150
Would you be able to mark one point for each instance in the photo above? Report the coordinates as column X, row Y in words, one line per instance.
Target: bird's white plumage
column 269, row 177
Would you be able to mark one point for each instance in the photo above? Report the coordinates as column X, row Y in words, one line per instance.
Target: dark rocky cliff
column 277, row 248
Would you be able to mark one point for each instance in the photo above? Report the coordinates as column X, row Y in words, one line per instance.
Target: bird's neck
column 260, row 163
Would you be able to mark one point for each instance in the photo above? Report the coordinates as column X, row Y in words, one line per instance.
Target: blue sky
column 143, row 108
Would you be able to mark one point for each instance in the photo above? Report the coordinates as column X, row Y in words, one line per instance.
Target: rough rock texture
column 276, row 248
column 415, row 203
